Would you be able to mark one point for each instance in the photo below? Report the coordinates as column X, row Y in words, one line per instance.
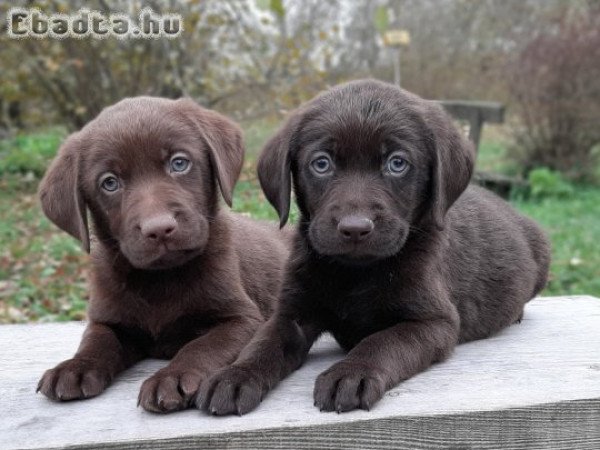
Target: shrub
column 28, row 153
column 555, row 84
column 544, row 182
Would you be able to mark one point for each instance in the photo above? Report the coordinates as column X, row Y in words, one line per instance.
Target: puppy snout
column 158, row 228
column 355, row 228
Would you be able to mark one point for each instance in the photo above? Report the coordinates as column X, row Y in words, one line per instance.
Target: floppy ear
column 453, row 162
column 61, row 195
column 226, row 147
column 274, row 168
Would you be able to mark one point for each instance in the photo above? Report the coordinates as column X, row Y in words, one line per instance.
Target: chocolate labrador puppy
column 173, row 276
column 395, row 254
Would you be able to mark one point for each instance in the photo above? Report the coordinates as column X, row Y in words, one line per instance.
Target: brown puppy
column 395, row 255
column 172, row 275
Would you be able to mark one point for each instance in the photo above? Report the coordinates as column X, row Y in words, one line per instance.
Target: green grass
column 29, row 153
column 256, row 133
column 248, row 197
column 43, row 271
column 492, row 158
column 573, row 224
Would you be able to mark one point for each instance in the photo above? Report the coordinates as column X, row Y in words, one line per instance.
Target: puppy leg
column 100, row 357
column 381, row 361
column 172, row 388
column 277, row 349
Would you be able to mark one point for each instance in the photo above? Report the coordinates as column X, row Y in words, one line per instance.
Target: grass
column 29, row 153
column 573, row 223
column 248, row 197
column 43, row 271
column 492, row 157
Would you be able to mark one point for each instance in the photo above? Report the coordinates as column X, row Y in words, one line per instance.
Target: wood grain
column 535, row 385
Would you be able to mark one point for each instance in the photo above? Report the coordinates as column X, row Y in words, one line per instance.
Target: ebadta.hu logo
column 27, row 23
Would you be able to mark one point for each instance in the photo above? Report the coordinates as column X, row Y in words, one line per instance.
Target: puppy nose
column 158, row 227
column 355, row 228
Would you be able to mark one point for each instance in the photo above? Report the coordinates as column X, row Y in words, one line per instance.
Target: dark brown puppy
column 395, row 255
column 172, row 275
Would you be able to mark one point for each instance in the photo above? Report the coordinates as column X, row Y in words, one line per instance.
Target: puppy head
column 147, row 169
column 369, row 162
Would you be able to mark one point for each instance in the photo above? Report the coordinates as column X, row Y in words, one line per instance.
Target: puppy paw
column 346, row 386
column 169, row 390
column 233, row 390
column 74, row 379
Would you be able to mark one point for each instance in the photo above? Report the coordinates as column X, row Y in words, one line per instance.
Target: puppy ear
column 226, row 147
column 61, row 195
column 453, row 162
column 274, row 168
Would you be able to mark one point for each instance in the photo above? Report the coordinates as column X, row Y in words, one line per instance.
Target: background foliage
column 254, row 60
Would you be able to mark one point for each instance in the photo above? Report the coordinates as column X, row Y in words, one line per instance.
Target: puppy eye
column 179, row 164
column 109, row 182
column 396, row 165
column 321, row 165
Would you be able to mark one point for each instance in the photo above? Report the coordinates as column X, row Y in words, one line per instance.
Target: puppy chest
column 165, row 340
column 354, row 319
column 352, row 308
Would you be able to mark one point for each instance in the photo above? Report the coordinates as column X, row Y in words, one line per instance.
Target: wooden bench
column 534, row 385
column 476, row 113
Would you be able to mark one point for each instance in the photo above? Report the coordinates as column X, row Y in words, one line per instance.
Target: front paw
column 346, row 386
column 170, row 389
column 74, row 379
column 233, row 390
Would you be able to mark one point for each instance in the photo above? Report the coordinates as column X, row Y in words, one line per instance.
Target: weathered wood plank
column 492, row 112
column 535, row 385
column 500, row 184
column 476, row 113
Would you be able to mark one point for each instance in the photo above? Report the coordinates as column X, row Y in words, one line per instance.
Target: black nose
column 158, row 227
column 355, row 228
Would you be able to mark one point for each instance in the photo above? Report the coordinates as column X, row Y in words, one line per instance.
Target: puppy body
column 487, row 249
column 172, row 275
column 436, row 268
column 395, row 254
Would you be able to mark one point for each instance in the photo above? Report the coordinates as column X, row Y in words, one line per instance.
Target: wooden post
column 397, row 75
column 396, row 39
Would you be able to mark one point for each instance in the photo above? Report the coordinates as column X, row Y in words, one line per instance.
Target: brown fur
column 173, row 276
column 400, row 262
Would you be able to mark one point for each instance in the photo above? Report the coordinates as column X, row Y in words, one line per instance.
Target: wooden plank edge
column 569, row 424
